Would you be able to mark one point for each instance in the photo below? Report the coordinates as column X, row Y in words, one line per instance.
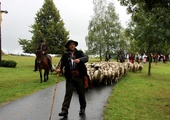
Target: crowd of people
column 139, row 57
column 144, row 57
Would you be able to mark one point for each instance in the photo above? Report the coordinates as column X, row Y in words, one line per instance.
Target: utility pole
column 1, row 11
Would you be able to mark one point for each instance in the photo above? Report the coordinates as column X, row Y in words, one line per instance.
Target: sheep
column 105, row 77
column 109, row 77
column 108, row 73
column 140, row 67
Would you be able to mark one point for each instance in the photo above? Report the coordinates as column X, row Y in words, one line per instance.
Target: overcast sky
column 21, row 13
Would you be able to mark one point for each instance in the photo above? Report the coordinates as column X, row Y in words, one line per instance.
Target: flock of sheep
column 108, row 73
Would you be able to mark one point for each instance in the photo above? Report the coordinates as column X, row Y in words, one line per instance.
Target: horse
column 42, row 63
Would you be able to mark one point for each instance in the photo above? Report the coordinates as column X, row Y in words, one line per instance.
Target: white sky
column 21, row 13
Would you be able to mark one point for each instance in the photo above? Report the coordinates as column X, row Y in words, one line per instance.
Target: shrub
column 8, row 63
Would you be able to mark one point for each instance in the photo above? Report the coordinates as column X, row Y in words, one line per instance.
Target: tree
column 114, row 34
column 112, row 29
column 49, row 25
column 94, row 39
column 104, row 31
column 151, row 28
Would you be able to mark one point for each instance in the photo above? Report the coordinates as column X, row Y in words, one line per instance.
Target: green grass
column 138, row 96
column 21, row 81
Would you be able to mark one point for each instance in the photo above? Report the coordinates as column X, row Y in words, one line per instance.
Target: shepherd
column 74, row 63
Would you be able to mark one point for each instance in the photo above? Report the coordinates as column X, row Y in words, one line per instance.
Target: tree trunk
column 100, row 55
column 150, row 61
column 149, row 67
column 117, row 56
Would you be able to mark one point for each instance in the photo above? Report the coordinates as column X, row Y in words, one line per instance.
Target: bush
column 8, row 63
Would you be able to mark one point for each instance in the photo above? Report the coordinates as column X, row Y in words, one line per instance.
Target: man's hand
column 76, row 60
column 58, row 70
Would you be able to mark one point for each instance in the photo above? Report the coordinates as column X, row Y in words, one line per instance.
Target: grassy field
column 138, row 96
column 21, row 81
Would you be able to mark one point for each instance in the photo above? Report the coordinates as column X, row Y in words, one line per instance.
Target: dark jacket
column 65, row 62
column 43, row 48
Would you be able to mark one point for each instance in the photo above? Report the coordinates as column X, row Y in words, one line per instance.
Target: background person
column 108, row 56
column 44, row 49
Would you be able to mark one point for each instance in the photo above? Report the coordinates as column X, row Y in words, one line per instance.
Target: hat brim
column 71, row 41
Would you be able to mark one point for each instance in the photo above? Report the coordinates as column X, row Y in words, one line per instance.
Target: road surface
column 38, row 105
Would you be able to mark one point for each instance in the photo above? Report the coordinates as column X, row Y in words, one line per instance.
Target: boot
column 63, row 113
column 82, row 111
column 35, row 66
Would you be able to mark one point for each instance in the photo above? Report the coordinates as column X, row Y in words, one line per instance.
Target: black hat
column 71, row 41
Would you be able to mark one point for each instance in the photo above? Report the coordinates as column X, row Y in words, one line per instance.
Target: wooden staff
column 54, row 96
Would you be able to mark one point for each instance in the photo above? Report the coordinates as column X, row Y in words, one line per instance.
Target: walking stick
column 54, row 97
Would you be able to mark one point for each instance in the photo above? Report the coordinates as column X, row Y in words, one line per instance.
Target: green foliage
column 150, row 28
column 104, row 31
column 150, row 24
column 49, row 25
column 8, row 63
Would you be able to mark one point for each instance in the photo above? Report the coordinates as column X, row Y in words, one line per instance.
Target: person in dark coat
column 122, row 56
column 44, row 49
column 74, row 63
column 108, row 56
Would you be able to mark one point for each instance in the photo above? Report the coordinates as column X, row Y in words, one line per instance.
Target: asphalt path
column 38, row 105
